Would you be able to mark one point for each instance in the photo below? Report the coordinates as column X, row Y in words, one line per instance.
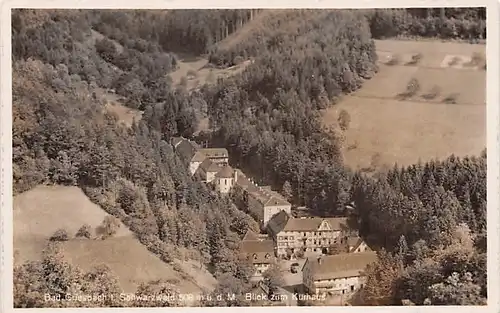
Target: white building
column 336, row 274
column 225, row 179
column 309, row 234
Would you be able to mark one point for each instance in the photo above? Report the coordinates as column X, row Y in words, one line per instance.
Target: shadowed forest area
column 428, row 219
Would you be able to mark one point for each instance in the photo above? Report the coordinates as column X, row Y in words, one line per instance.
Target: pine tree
column 287, row 190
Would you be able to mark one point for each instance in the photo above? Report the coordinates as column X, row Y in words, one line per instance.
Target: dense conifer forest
column 428, row 219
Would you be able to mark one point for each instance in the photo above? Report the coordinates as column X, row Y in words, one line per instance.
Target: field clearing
column 197, row 71
column 130, row 261
column 468, row 85
column 125, row 115
column 403, row 132
column 444, row 115
column 38, row 213
column 433, row 52
column 113, row 104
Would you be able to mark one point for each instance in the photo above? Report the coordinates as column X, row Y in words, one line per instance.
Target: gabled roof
column 259, row 251
column 215, row 152
column 313, row 223
column 278, row 222
column 226, row 172
column 354, row 242
column 186, row 150
column 208, row 166
column 268, row 197
column 284, row 222
column 244, row 183
column 250, row 235
column 198, row 157
column 340, row 265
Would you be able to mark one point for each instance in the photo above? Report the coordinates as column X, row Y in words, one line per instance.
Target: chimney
column 320, row 260
column 235, row 175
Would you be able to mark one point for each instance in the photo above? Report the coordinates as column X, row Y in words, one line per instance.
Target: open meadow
column 38, row 213
column 427, row 101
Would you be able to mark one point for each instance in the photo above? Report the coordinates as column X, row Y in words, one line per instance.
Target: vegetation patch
column 412, row 88
column 415, row 59
column 451, row 98
column 432, row 94
column 395, row 60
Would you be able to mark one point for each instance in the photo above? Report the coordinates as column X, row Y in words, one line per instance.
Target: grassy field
column 194, row 72
column 445, row 115
column 125, row 115
column 468, row 86
column 433, row 52
column 38, row 213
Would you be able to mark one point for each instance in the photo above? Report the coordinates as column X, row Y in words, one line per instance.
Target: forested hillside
column 267, row 117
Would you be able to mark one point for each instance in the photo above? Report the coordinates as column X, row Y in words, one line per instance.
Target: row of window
column 309, row 242
column 306, row 234
column 267, row 256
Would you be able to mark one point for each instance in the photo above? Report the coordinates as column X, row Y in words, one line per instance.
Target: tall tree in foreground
column 381, row 277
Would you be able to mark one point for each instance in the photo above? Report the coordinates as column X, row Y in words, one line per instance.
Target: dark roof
column 354, row 242
column 313, row 223
column 268, row 197
column 250, row 235
column 215, row 152
column 198, row 157
column 284, row 222
column 226, row 172
column 278, row 222
column 259, row 251
column 340, row 265
column 209, row 166
column 244, row 183
column 186, row 150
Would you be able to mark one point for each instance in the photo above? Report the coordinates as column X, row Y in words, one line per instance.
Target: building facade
column 224, row 179
column 336, row 274
column 262, row 202
column 260, row 252
column 311, row 234
column 264, row 205
column 207, row 170
column 219, row 156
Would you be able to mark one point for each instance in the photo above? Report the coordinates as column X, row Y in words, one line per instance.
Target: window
column 225, row 182
column 255, row 256
column 304, row 234
column 291, row 238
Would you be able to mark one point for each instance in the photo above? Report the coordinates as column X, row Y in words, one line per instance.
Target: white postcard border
column 493, row 103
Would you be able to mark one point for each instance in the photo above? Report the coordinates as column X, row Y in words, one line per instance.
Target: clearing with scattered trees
column 122, row 252
column 446, row 115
